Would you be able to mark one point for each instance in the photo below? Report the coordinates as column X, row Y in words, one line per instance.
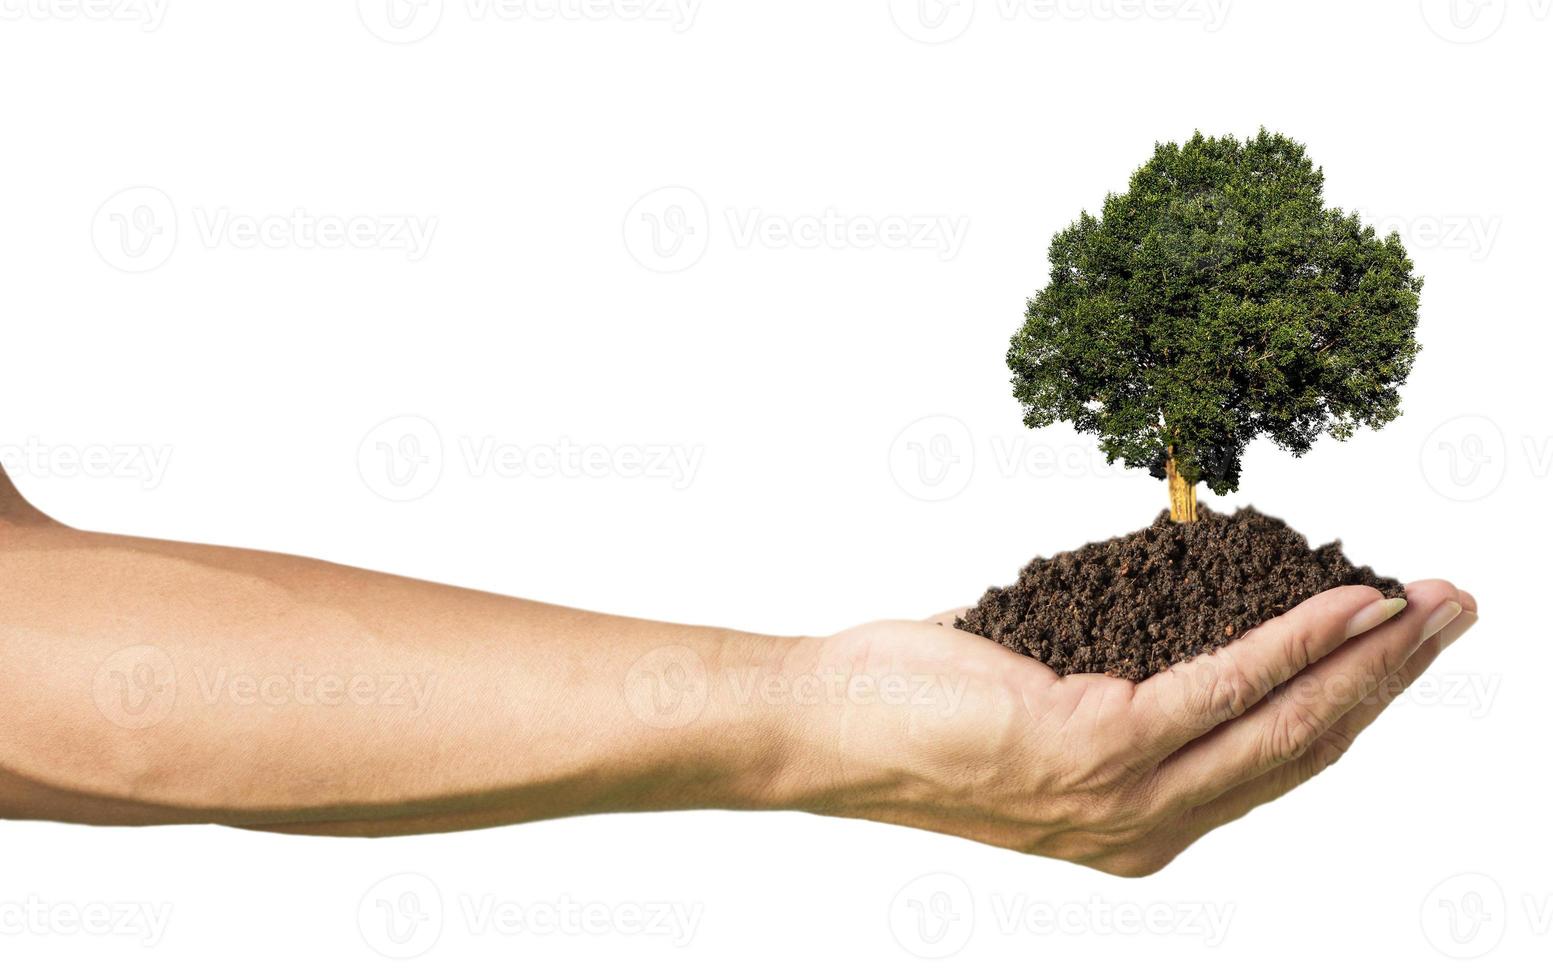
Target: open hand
column 986, row 744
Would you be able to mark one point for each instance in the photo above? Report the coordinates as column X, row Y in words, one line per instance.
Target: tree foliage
column 1218, row 299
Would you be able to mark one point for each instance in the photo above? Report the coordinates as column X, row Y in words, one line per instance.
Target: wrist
column 768, row 719
column 735, row 710
column 800, row 714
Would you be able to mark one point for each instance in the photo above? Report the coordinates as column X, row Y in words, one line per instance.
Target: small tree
column 1218, row 299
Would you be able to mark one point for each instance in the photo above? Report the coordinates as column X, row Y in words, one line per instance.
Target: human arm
column 147, row 682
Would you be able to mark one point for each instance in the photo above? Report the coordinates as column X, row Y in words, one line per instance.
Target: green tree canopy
column 1218, row 299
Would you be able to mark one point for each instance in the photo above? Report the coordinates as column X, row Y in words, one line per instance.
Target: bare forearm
column 148, row 682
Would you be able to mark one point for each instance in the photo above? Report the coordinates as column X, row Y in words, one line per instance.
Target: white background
column 242, row 392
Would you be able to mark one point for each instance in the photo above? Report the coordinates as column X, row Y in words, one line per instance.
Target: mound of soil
column 1133, row 606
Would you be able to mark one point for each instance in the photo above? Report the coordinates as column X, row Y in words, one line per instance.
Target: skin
column 151, row 682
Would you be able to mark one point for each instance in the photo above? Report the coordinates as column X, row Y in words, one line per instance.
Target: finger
column 1286, row 726
column 1270, row 786
column 1340, row 738
column 1342, row 735
column 948, row 618
column 1469, row 602
column 1196, row 697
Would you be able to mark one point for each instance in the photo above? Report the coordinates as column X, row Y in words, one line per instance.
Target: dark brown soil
column 1135, row 605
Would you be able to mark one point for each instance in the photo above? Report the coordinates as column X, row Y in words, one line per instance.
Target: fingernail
column 1443, row 617
column 1374, row 614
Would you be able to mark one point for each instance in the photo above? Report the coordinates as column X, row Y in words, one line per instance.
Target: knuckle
column 1330, row 748
column 1299, row 648
column 1395, row 657
column 1231, row 691
column 1295, row 731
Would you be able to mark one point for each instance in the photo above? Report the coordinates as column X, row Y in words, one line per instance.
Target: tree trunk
column 1183, row 495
